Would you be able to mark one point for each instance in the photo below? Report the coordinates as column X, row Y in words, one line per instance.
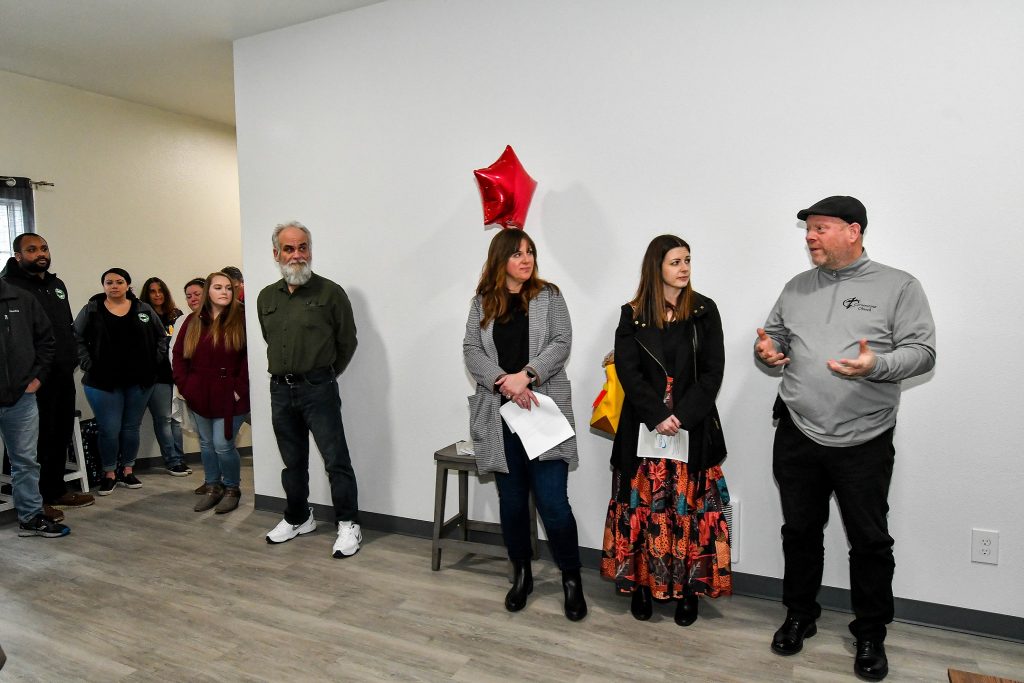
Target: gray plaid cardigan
column 550, row 342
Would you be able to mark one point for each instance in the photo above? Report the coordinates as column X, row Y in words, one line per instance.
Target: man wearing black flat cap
column 836, row 418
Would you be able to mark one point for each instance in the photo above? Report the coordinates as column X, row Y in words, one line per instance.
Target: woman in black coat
column 121, row 343
column 665, row 536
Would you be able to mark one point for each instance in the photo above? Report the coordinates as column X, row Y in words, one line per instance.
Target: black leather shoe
column 575, row 603
column 686, row 610
column 789, row 639
column 522, row 585
column 641, row 605
column 870, row 662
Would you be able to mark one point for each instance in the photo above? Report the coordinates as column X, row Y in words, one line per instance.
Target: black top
column 125, row 359
column 673, row 335
column 512, row 340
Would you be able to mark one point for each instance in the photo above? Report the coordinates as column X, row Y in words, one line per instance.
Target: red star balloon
column 506, row 190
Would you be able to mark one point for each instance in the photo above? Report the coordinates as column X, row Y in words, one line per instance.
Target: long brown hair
column 649, row 303
column 498, row 302
column 168, row 306
column 229, row 326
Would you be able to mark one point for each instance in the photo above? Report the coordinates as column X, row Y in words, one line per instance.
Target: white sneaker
column 286, row 531
column 349, row 538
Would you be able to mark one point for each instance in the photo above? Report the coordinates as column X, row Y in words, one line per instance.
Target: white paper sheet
column 655, row 445
column 541, row 428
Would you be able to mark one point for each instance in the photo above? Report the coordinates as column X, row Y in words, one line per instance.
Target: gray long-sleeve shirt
column 823, row 314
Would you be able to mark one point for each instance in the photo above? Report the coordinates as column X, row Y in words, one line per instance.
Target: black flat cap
column 848, row 208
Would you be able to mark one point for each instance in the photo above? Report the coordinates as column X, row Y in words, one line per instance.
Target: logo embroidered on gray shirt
column 854, row 302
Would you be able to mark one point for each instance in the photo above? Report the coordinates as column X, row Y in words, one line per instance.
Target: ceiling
column 171, row 54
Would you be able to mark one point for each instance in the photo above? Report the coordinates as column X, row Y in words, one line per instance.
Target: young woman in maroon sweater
column 211, row 373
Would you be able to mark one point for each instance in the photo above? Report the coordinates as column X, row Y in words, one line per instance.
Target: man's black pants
column 56, row 401
column 808, row 473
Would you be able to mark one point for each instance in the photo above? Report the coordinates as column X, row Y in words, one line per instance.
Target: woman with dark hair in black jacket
column 121, row 343
column 665, row 536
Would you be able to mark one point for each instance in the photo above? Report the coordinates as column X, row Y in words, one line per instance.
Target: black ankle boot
column 575, row 603
column 686, row 610
column 641, row 605
column 522, row 585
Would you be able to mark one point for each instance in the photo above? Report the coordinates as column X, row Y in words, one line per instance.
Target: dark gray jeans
column 312, row 405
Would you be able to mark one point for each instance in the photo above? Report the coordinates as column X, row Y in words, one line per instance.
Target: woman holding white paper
column 665, row 536
column 517, row 342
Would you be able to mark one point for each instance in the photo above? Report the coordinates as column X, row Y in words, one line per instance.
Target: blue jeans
column 549, row 481
column 19, row 427
column 118, row 416
column 166, row 430
column 313, row 405
column 221, row 461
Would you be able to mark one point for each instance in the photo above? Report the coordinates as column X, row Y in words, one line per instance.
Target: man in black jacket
column 26, row 351
column 29, row 269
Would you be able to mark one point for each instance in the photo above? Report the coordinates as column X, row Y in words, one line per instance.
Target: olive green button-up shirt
column 307, row 329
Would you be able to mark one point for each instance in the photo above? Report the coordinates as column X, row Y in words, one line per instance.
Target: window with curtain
column 17, row 211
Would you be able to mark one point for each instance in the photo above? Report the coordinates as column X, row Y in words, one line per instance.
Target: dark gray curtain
column 19, row 192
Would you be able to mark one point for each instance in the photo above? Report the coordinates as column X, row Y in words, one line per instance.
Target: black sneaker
column 130, row 481
column 179, row 470
column 106, row 486
column 41, row 526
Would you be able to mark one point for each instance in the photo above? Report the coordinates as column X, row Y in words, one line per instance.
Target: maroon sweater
column 209, row 380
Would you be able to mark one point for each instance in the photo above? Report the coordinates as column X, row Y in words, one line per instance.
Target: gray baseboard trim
column 961, row 619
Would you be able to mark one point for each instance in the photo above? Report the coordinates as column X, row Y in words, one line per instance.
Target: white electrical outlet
column 984, row 546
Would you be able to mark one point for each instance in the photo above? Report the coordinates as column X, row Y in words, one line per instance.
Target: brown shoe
column 230, row 500
column 73, row 500
column 202, row 490
column 53, row 513
column 213, row 495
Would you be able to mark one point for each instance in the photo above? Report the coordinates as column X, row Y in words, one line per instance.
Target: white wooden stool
column 76, row 469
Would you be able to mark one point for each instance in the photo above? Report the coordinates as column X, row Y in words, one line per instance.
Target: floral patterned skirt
column 672, row 535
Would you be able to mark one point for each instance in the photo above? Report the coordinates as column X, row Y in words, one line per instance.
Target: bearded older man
column 311, row 335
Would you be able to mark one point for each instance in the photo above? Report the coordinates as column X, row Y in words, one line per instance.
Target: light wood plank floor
column 144, row 589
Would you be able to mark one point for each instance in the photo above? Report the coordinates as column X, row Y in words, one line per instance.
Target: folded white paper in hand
column 655, row 445
column 541, row 428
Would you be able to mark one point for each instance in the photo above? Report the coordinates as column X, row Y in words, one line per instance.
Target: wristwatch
column 531, row 374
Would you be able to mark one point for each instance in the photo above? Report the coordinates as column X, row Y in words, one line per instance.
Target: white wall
column 714, row 121
column 137, row 187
